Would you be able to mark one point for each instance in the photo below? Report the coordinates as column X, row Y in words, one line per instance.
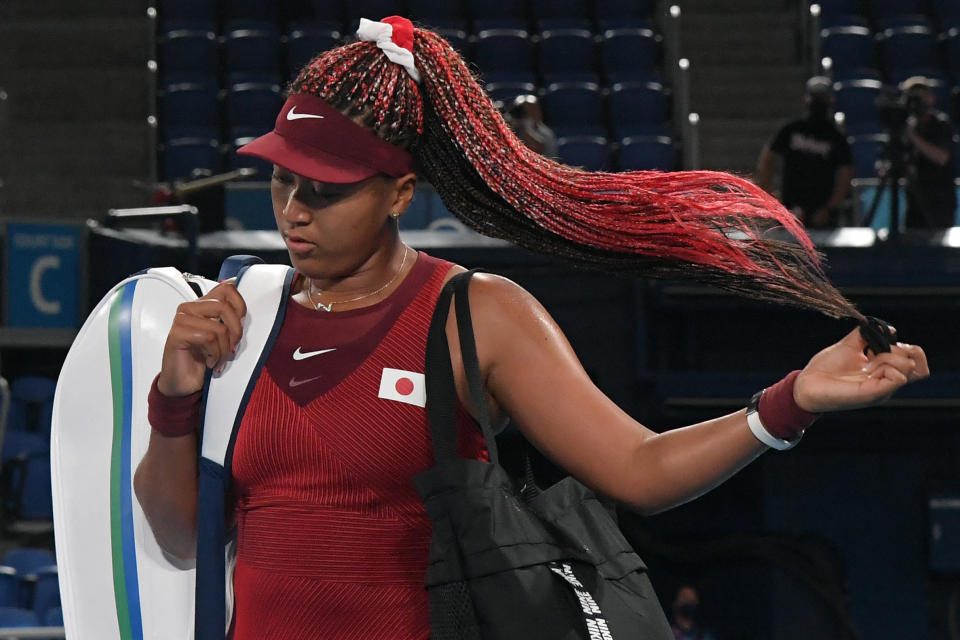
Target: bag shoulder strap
column 441, row 389
column 265, row 289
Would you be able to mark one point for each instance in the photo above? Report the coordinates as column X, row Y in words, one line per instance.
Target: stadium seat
column 505, row 87
column 202, row 11
column 16, row 617
column 560, row 9
column 306, row 41
column 31, row 404
column 483, row 9
column 645, row 153
column 946, row 13
column 433, row 13
column 331, row 11
column 637, row 103
column 252, row 106
column 252, row 47
column 189, row 50
column 44, row 587
column 189, row 158
column 459, row 39
column 26, row 476
column 236, row 161
column 572, row 103
column 555, row 23
column 621, row 11
column 629, row 50
column 9, row 587
column 503, row 50
column 911, row 47
column 257, row 10
column 25, row 560
column 886, row 9
column 190, row 104
column 857, row 100
column 849, row 47
column 590, row 152
column 566, row 50
column 53, row 618
column 866, row 151
column 590, row 130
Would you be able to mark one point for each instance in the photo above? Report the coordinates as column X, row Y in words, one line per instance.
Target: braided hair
column 708, row 226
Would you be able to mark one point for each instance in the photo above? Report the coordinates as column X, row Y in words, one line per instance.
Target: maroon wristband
column 780, row 414
column 173, row 416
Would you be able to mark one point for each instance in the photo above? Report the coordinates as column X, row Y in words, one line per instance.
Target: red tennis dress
column 332, row 537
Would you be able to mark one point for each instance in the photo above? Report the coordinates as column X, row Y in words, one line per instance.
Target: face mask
column 819, row 110
column 688, row 610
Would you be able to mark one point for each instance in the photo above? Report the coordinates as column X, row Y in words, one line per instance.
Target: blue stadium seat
column 26, row 560
column 591, row 130
column 53, row 618
column 504, row 87
column 646, row 153
column 903, row 20
column 252, row 47
column 946, row 14
column 866, row 151
column 849, row 47
column 555, row 77
column 843, row 20
column 620, row 11
column 566, row 50
column 236, row 161
column 26, row 475
column 16, row 617
column 332, row 11
column 911, row 47
column 45, row 588
column 573, row 103
column 31, row 404
column 189, row 158
column 857, row 100
column 306, row 41
column 503, row 50
column 252, row 106
column 433, row 13
column 637, row 103
column 561, row 22
column 257, row 10
column 629, row 50
column 189, row 50
column 952, row 46
column 459, row 39
column 841, row 8
column 887, row 9
column 203, row 11
column 9, row 587
column 191, row 103
column 560, row 9
column 855, row 73
column 484, row 9
column 590, row 152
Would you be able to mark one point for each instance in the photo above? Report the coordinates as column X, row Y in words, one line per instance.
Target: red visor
column 315, row 140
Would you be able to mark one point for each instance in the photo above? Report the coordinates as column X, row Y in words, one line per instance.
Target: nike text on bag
column 507, row 563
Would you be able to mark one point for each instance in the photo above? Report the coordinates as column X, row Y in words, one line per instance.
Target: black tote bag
column 511, row 562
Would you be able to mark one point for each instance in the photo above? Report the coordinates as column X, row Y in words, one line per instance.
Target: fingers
column 210, row 326
column 902, row 361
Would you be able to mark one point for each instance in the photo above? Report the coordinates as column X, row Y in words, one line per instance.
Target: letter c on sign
column 44, row 306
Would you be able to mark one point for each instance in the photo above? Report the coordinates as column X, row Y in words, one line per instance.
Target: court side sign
column 43, row 267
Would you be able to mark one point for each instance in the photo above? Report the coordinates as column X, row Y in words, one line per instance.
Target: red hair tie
column 394, row 36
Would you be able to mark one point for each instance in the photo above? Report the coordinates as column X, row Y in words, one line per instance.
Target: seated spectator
column 525, row 117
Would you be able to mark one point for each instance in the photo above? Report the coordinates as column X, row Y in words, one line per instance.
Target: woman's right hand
column 204, row 335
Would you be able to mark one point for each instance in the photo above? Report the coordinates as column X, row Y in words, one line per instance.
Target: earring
column 394, row 215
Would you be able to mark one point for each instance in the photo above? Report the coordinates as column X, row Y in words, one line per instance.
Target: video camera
column 895, row 107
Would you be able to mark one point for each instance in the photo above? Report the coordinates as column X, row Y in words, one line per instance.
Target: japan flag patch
column 403, row 386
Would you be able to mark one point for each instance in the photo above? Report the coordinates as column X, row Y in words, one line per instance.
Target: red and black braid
column 702, row 225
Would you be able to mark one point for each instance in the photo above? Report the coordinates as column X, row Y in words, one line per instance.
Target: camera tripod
column 894, row 152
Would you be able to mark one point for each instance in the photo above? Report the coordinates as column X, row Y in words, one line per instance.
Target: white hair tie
column 394, row 36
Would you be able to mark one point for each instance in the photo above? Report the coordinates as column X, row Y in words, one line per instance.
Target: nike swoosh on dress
column 301, row 355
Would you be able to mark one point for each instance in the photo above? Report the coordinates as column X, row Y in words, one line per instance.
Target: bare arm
column 204, row 334
column 533, row 374
column 765, row 166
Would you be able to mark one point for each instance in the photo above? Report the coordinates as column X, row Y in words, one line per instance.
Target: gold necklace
column 329, row 306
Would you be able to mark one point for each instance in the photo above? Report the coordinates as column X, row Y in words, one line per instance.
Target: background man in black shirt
column 931, row 195
column 817, row 164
